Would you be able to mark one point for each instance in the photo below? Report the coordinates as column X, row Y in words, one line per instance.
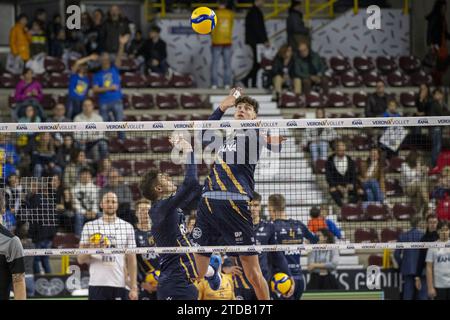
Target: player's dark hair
column 314, row 212
column 148, row 184
column 430, row 216
column 248, row 100
column 277, row 202
column 142, row 201
column 256, row 196
column 414, row 221
column 26, row 70
column 155, row 28
column 21, row 16
column 442, row 224
column 327, row 234
column 438, row 90
column 85, row 170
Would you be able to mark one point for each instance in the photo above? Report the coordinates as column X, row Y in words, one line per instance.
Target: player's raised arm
column 227, row 103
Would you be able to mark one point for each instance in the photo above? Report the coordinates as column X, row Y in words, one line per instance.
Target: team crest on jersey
column 196, row 233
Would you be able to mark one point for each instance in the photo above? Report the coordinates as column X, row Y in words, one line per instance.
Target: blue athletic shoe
column 216, row 279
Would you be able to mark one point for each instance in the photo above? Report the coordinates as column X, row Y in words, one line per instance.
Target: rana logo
column 256, row 124
column 48, row 127
column 158, row 125
column 91, row 126
column 292, row 124
column 225, row 125
column 21, row 127
column 357, row 122
column 422, row 121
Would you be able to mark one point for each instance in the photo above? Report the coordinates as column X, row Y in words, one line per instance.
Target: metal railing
column 405, row 6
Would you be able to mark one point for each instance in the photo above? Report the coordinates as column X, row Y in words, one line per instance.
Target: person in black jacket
column 295, row 26
column 430, row 235
column 423, row 100
column 255, row 33
column 438, row 108
column 154, row 51
column 115, row 26
column 377, row 101
column 283, row 71
column 340, row 173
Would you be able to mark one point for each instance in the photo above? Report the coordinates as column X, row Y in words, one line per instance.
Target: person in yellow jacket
column 221, row 38
column 20, row 38
column 225, row 292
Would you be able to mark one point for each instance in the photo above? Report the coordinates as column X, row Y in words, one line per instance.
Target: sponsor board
column 91, row 126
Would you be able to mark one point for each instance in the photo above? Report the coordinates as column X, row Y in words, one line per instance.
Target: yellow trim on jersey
column 185, row 268
column 209, row 182
column 208, row 205
column 149, row 265
column 230, row 175
column 219, row 182
column 189, row 257
column 236, row 208
column 246, row 286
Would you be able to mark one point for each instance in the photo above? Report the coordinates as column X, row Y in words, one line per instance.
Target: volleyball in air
column 203, row 20
column 280, row 283
column 153, row 277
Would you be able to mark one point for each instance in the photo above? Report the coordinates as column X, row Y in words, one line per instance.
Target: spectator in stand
column 28, row 92
column 39, row 39
column 322, row 264
column 423, row 100
column 44, row 156
column 310, row 68
column 430, row 235
column 340, row 173
column 59, row 114
column 106, row 84
column 372, row 176
column 55, row 28
column 441, row 193
column 93, row 143
column 221, row 40
column 115, row 27
column 438, row 108
column 10, row 157
column 13, row 192
column 104, row 169
column 319, row 139
column 295, row 26
column 154, row 51
column 30, row 117
column 135, row 44
column 377, row 101
column 407, row 259
column 85, row 196
column 20, row 38
column 438, row 266
column 283, row 71
column 78, row 85
column 392, row 111
column 318, row 221
column 414, row 181
column 255, row 33
column 93, row 36
column 72, row 171
column 64, row 150
column 67, row 211
column 58, row 197
column 40, row 16
column 123, row 192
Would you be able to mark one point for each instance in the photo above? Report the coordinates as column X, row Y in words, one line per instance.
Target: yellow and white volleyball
column 203, row 20
column 153, row 277
column 99, row 239
column 280, row 283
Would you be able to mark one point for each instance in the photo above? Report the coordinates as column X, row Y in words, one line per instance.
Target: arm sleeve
column 13, row 41
column 334, row 228
column 84, row 239
column 15, row 257
column 421, row 262
column 398, row 256
column 131, row 240
column 277, row 258
column 308, row 234
column 216, row 115
column 163, row 51
column 328, row 173
column 334, row 261
column 430, row 256
column 19, row 94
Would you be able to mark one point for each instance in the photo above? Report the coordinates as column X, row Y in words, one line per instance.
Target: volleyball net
column 364, row 180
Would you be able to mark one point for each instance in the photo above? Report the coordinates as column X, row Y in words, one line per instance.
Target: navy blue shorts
column 174, row 289
column 107, row 293
column 224, row 223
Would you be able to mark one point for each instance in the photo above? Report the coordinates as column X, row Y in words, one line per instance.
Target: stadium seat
column 375, row 260
column 420, row 78
column 390, row 235
column 65, row 241
column 128, row 65
column 133, row 80
column 320, row 166
column 397, row 79
column 142, row 101
column 315, row 99
column 370, row 79
column 126, row 101
column 338, row 99
column 156, row 80
column 360, row 99
column 8, row 80
column 408, row 99
column 176, row 117
column 395, row 164
column 198, row 117
column 290, row 100
column 48, row 102
column 160, row 144
column 299, row 116
column 393, row 188
column 352, row 212
column 376, row 212
column 130, row 118
column 11, row 100
column 403, row 211
column 192, row 101
column 62, row 98
column 42, row 79
column 409, row 64
column 52, row 64
column 124, row 167
column 166, row 101
column 171, row 168
column 361, row 143
column 115, row 146
column 179, row 80
column 363, row 64
column 366, row 235
column 141, row 166
column 266, row 64
column 135, row 191
column 151, row 117
column 340, row 64
column 351, row 80
column 386, row 64
column 135, row 145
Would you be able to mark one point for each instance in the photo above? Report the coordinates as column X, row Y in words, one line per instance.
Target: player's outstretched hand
column 230, row 100
column 178, row 142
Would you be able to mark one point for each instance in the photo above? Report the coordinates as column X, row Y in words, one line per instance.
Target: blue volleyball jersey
column 289, row 231
column 148, row 262
column 234, row 168
column 169, row 230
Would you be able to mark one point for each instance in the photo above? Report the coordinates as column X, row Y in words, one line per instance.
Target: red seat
column 352, row 212
column 363, row 64
column 65, row 241
column 386, row 64
column 171, row 168
column 52, row 64
column 393, row 188
column 142, row 101
column 338, row 99
column 179, row 80
column 320, row 166
column 198, row 117
column 340, row 64
column 130, row 118
column 8, row 80
column 42, row 79
column 48, row 101
column 176, row 117
column 128, row 65
column 390, row 235
column 351, row 80
column 409, row 64
column 408, row 99
column 266, row 64
column 314, row 100
column 397, row 79
column 366, row 235
column 403, row 211
column 115, row 146
column 376, row 212
column 150, row 117
column 135, row 145
column 126, row 101
column 375, row 260
column 160, row 144
column 124, row 167
column 361, row 143
column 299, row 116
column 420, row 78
column 133, row 80
column 166, row 101
column 371, row 78
column 135, row 191
column 360, row 99
column 61, row 99
column 142, row 166
column 156, row 80
column 192, row 101
column 289, row 100
column 395, row 164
